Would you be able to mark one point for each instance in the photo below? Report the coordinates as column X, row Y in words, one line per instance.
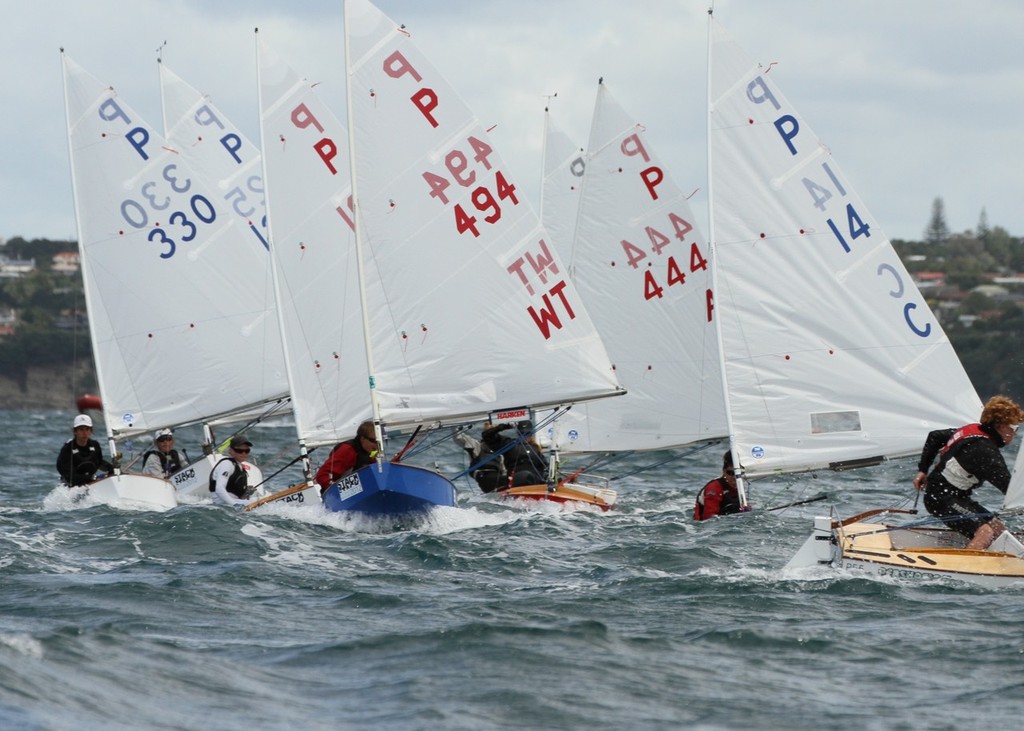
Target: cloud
column 916, row 99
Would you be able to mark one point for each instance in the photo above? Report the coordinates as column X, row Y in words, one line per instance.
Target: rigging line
column 408, row 445
column 425, row 444
column 926, row 522
column 790, row 483
column 493, row 456
column 270, row 411
column 520, row 439
column 270, row 477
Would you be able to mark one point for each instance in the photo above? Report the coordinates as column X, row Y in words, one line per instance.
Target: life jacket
column 730, row 500
column 169, row 461
column 238, row 483
column 363, row 457
column 698, row 506
column 951, row 471
column 970, row 431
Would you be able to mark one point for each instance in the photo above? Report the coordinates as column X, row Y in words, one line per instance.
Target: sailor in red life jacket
column 969, row 456
column 720, row 496
column 348, row 456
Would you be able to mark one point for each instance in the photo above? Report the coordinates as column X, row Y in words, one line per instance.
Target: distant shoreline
column 47, row 387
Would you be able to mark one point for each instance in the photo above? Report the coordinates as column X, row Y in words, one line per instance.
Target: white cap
column 82, row 420
column 163, row 433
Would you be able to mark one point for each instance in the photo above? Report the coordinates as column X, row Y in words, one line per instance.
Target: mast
column 163, row 99
column 356, row 221
column 544, row 158
column 713, row 244
column 84, row 260
column 297, row 404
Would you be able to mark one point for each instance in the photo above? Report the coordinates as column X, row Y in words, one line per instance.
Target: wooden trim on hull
column 600, row 497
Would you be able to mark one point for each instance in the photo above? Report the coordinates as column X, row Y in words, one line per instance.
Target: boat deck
column 928, row 549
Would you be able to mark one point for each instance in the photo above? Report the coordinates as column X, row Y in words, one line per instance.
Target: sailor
column 491, row 474
column 348, row 456
column 164, row 460
column 81, row 457
column 228, row 480
column 524, row 461
column 969, row 456
column 720, row 496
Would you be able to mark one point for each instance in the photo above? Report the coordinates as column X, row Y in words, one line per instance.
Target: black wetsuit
column 524, row 463
column 967, row 456
column 78, row 465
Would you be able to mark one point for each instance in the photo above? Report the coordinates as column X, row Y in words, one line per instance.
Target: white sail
column 220, row 151
column 643, row 269
column 1014, row 499
column 305, row 157
column 831, row 354
column 179, row 331
column 469, row 307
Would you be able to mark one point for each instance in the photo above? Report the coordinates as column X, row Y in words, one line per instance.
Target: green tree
column 937, row 231
column 983, row 228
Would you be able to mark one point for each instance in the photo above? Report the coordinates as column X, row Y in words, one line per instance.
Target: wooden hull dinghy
column 601, row 497
column 877, row 545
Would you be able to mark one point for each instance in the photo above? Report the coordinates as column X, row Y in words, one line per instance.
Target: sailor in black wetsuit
column 81, row 457
column 228, row 480
column 969, row 456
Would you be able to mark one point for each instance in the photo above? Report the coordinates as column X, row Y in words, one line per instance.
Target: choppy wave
column 491, row 615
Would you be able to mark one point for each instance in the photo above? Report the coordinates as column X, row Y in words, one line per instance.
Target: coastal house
column 66, row 262
column 14, row 268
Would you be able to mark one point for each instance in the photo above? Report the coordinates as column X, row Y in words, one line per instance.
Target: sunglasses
column 1014, row 427
column 244, row 450
column 371, row 440
column 165, row 439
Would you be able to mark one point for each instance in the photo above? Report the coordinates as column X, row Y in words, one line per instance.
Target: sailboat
column 831, row 357
column 432, row 227
column 177, row 337
column 201, row 133
column 642, row 266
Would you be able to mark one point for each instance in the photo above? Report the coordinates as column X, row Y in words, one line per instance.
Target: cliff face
column 47, row 387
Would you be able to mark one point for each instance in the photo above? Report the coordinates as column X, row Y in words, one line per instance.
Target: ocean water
column 488, row 616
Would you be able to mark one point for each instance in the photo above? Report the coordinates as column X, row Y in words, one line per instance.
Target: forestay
column 643, row 269
column 469, row 306
column 831, row 353
column 181, row 327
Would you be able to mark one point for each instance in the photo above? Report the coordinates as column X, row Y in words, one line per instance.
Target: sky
column 917, row 99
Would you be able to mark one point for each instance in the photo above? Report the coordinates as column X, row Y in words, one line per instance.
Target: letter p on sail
column 759, row 93
column 425, row 100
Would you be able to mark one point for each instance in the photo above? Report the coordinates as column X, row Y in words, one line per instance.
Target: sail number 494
column 484, row 199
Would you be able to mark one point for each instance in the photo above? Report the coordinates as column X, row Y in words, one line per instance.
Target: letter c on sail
column 917, row 331
column 896, row 275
